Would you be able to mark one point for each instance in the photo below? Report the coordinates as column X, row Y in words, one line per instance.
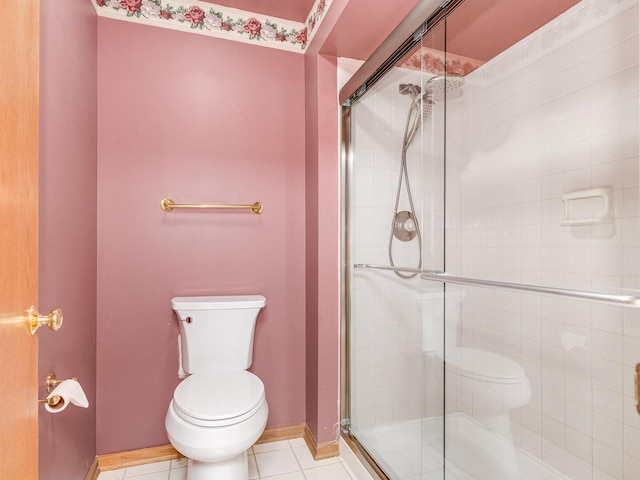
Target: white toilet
column 219, row 410
column 496, row 384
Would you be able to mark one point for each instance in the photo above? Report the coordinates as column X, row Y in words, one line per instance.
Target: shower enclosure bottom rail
column 440, row 276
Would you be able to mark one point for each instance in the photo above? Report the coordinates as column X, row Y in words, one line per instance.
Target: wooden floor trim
column 93, row 472
column 282, row 433
column 132, row 458
column 320, row 451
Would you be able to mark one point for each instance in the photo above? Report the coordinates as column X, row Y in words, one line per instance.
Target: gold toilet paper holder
column 51, row 383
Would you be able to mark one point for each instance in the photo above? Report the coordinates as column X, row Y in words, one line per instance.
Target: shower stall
column 491, row 327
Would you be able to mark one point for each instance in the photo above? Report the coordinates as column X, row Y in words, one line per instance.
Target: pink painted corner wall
column 322, row 216
column 200, row 120
column 67, row 236
column 328, row 174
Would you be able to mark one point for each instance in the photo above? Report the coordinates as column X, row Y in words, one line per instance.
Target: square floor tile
column 287, row 476
column 305, row 459
column 177, row 474
column 112, row 475
column 335, row 471
column 150, row 476
column 253, row 469
column 270, row 446
column 297, row 442
column 179, row 462
column 148, row 468
column 281, row 460
column 276, row 462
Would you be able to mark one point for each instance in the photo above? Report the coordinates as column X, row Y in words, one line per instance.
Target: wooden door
column 19, row 38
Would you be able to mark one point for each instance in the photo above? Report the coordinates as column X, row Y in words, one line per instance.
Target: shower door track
column 440, row 276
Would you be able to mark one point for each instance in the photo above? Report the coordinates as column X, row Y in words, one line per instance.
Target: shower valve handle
column 409, row 225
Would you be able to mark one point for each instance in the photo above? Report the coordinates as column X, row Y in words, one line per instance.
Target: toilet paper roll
column 68, row 391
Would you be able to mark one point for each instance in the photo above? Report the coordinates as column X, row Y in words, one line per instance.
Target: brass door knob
column 53, row 320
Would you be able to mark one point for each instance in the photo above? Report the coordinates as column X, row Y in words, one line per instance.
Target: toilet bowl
column 494, row 383
column 213, row 419
column 220, row 410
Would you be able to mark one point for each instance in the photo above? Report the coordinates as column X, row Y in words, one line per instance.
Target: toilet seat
column 484, row 366
column 218, row 399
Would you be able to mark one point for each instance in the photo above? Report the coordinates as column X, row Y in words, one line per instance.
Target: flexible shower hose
column 410, row 129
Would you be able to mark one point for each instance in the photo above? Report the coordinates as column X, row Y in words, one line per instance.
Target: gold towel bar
column 167, row 205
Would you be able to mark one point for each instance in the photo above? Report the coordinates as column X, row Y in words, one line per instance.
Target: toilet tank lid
column 218, row 302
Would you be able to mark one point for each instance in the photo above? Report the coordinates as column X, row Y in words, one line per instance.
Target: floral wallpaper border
column 219, row 21
column 437, row 62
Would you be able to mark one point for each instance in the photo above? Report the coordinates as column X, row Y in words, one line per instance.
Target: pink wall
column 322, row 234
column 67, row 237
column 328, row 169
column 200, row 120
column 311, row 260
column 322, row 262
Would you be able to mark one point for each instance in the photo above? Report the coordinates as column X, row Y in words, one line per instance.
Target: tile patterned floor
column 282, row 460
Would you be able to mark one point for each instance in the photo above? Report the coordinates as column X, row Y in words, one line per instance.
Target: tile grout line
column 255, row 462
column 175, row 466
column 297, row 460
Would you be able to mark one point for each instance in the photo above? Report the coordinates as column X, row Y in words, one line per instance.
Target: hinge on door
column 345, row 425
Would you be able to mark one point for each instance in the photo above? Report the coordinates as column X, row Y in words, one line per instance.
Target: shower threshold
column 414, row 451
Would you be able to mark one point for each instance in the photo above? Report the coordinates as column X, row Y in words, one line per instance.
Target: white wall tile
column 631, row 468
column 608, row 459
column 607, row 374
column 579, row 444
column 608, row 431
column 607, row 346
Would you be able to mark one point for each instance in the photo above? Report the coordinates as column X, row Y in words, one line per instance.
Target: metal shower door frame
column 403, row 39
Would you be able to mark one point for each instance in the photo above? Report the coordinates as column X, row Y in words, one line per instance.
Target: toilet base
column 234, row 468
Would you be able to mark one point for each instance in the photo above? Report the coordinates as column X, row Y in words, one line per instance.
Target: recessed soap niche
column 593, row 206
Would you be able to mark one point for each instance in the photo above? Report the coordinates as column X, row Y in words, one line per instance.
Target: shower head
column 409, row 89
column 427, row 105
column 440, row 85
column 422, row 105
column 421, row 108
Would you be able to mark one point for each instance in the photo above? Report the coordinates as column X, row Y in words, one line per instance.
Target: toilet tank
column 440, row 319
column 216, row 332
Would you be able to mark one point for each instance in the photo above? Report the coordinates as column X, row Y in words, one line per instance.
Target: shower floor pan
column 414, row 451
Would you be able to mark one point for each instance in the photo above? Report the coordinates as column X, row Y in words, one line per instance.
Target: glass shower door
column 502, row 149
column 542, row 190
column 396, row 217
